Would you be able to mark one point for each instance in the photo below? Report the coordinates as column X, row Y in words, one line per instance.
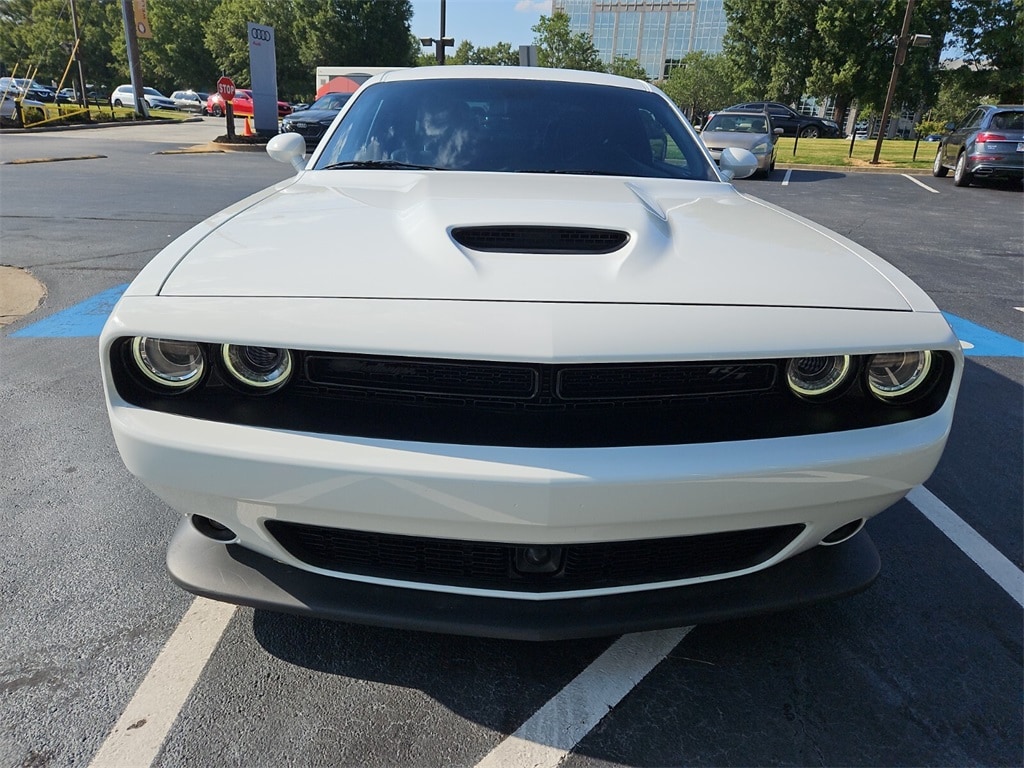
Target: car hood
column 718, row 139
column 387, row 234
column 312, row 115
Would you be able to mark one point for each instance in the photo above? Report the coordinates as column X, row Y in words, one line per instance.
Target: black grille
column 454, row 378
column 564, row 240
column 501, row 403
column 492, row 566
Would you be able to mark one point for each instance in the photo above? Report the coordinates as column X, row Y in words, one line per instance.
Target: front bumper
column 234, row 574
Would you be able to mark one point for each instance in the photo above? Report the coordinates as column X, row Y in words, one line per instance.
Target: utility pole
column 134, row 66
column 83, row 99
column 901, row 54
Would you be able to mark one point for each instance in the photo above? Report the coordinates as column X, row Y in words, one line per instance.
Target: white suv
column 124, row 96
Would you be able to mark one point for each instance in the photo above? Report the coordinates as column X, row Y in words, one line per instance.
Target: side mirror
column 288, row 148
column 949, row 126
column 737, row 163
column 778, row 131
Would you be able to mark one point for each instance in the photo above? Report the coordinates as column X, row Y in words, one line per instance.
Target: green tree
column 226, row 37
column 500, row 54
column 558, row 46
column 701, row 82
column 372, row 33
column 785, row 49
column 991, row 35
column 771, row 45
column 628, row 68
column 177, row 56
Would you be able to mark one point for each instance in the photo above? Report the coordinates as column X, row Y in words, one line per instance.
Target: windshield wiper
column 572, row 171
column 381, row 164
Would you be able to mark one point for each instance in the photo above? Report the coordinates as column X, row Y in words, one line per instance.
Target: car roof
column 537, row 74
column 748, row 112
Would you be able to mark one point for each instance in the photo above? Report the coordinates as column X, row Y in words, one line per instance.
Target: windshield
column 738, row 123
column 151, row 92
column 516, row 126
column 332, row 101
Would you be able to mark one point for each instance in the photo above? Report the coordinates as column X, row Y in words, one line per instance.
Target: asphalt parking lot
column 105, row 662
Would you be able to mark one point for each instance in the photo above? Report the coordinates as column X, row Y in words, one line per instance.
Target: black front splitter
column 234, row 574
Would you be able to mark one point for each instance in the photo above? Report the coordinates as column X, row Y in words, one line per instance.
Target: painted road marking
column 785, row 181
column 83, row 319
column 87, row 319
column 919, row 183
column 546, row 739
column 140, row 733
column 979, row 341
column 988, row 558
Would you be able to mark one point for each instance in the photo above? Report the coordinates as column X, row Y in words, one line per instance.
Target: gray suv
column 988, row 143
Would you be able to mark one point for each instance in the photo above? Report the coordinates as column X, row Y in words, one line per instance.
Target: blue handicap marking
column 83, row 319
column 979, row 341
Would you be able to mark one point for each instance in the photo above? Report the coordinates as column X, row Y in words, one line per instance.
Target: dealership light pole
column 441, row 42
column 904, row 41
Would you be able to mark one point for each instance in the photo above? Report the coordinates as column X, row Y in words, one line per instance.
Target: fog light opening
column 843, row 533
column 211, row 529
column 538, row 559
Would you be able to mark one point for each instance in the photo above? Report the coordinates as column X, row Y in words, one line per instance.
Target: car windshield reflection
column 500, row 125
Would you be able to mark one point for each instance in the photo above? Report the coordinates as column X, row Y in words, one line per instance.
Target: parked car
column 988, row 143
column 124, row 96
column 537, row 371
column 791, row 122
column 241, row 104
column 31, row 110
column 752, row 131
column 190, row 101
column 311, row 123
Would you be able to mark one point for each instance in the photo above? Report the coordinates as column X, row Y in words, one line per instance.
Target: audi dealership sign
column 263, row 68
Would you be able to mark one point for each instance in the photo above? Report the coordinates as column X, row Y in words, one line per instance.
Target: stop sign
column 226, row 88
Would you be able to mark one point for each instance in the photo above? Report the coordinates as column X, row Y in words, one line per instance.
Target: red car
column 242, row 104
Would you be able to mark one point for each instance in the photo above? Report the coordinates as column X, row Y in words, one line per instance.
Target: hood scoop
column 559, row 240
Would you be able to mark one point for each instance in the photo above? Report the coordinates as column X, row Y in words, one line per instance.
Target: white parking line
column 919, row 183
column 545, row 739
column 138, row 735
column 785, row 181
column 988, row 558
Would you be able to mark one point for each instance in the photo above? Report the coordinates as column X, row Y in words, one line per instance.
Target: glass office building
column 657, row 33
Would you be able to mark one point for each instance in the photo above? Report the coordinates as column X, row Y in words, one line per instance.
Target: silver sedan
column 744, row 130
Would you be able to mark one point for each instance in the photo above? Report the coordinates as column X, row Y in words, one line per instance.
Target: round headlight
column 896, row 374
column 175, row 364
column 813, row 377
column 264, row 368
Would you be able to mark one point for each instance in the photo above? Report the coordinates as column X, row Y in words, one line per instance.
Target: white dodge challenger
column 537, row 371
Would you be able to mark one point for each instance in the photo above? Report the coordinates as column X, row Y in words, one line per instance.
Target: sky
column 482, row 22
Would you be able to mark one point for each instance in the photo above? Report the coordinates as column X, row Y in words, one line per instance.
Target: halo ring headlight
column 260, row 368
column 168, row 362
column 814, row 377
column 894, row 375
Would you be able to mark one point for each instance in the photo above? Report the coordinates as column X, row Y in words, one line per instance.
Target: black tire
column 217, row 111
column 117, row 103
column 938, row 169
column 810, row 132
column 961, row 176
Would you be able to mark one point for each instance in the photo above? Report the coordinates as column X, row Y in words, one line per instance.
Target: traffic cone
column 247, row 130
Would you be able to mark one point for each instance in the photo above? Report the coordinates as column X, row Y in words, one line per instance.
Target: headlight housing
column 897, row 375
column 259, row 368
column 816, row 377
column 761, row 149
column 177, row 365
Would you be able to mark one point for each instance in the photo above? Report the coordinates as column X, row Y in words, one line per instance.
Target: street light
column 441, row 42
column 904, row 41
